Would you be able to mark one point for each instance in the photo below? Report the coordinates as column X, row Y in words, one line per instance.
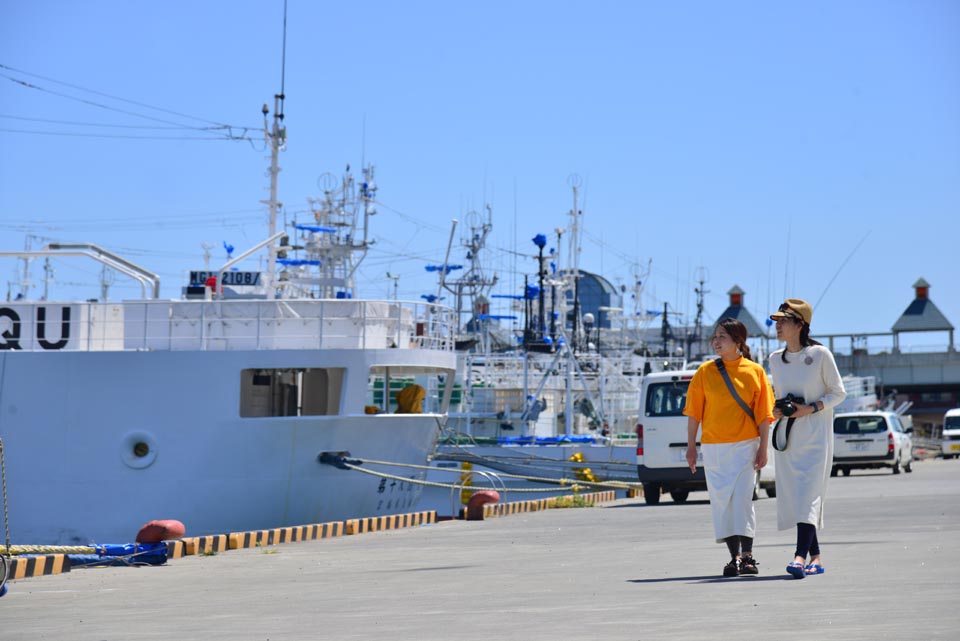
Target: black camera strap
column 786, row 438
column 733, row 391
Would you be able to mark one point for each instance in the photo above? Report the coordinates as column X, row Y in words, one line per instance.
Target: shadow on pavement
column 713, row 579
column 666, row 504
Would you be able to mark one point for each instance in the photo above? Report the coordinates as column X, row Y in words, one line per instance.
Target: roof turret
column 738, row 311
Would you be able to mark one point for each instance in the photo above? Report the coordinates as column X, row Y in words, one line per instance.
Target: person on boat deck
column 734, row 439
column 410, row 400
column 804, row 452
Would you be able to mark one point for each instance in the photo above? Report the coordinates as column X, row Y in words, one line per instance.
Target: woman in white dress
column 803, row 453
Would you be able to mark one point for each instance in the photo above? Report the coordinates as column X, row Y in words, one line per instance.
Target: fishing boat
column 558, row 397
column 223, row 408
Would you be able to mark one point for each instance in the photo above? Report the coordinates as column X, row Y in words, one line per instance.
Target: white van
column 950, row 445
column 662, row 441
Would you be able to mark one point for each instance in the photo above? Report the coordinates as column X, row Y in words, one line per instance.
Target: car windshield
column 667, row 399
column 952, row 423
column 859, row 425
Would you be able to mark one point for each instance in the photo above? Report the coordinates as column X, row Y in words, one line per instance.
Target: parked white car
column 950, row 440
column 866, row 440
column 662, row 442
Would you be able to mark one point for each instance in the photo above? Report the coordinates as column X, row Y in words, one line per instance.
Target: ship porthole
column 138, row 450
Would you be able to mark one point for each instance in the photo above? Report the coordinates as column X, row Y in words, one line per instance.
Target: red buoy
column 478, row 500
column 156, row 531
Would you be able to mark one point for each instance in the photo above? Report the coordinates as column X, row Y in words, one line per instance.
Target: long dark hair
column 738, row 332
column 805, row 340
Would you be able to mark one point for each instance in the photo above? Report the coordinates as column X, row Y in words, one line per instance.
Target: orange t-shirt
column 721, row 417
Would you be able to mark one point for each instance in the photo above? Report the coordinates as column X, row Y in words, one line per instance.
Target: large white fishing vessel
column 216, row 409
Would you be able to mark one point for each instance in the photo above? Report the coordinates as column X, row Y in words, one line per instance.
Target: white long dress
column 803, row 469
column 730, row 479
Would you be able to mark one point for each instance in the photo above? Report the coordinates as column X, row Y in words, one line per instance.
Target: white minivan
column 950, row 443
column 662, row 441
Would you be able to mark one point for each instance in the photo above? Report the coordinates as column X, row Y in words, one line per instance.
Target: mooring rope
column 48, row 549
column 574, row 484
column 3, row 479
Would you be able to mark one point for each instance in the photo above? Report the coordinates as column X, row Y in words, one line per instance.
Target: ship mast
column 574, row 248
column 473, row 283
column 276, row 137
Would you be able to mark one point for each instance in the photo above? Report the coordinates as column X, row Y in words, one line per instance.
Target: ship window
column 291, row 392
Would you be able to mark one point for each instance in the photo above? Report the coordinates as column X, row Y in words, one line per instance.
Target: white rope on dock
column 47, row 549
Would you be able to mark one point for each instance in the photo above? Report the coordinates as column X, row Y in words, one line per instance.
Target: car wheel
column 651, row 493
column 679, row 496
column 909, row 466
column 771, row 491
column 896, row 466
column 845, row 471
column 833, row 471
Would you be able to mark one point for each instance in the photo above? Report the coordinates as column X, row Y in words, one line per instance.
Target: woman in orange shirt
column 734, row 438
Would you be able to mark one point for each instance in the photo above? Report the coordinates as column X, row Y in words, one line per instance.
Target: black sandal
column 732, row 568
column 748, row 565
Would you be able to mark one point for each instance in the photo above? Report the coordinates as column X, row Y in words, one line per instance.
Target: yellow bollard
column 465, row 479
column 583, row 473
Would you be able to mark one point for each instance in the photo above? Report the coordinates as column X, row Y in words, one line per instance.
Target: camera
column 788, row 404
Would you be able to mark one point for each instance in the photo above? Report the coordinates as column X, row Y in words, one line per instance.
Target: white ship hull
column 72, row 422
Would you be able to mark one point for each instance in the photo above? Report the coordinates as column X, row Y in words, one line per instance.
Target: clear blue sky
column 762, row 141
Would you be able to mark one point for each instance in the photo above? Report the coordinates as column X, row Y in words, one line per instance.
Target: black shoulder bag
column 733, row 391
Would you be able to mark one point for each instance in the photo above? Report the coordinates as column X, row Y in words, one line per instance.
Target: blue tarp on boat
column 545, row 440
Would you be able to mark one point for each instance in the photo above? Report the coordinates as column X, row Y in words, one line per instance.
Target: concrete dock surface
column 623, row 571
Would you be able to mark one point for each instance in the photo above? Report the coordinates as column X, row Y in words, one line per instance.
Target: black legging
column 807, row 540
column 736, row 542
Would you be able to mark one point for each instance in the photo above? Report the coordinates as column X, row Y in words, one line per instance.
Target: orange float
column 157, row 531
column 478, row 500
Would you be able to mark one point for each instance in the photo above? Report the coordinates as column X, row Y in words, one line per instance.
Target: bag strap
column 733, row 391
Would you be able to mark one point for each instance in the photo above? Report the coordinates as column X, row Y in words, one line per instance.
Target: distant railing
column 884, row 342
column 225, row 325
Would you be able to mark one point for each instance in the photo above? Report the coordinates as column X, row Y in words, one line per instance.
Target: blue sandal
column 814, row 568
column 796, row 570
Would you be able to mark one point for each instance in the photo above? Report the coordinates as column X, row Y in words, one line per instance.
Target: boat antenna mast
column 473, row 283
column 276, row 137
column 575, row 181
column 696, row 337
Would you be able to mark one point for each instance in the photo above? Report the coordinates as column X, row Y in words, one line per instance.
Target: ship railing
column 860, row 386
column 165, row 325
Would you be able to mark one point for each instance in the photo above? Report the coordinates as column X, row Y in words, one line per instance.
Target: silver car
column 871, row 440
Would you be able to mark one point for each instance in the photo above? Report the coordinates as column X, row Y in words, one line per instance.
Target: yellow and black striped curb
column 535, row 505
column 392, row 522
column 205, row 544
column 239, row 540
column 24, row 567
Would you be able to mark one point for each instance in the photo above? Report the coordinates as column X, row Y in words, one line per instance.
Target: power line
column 99, row 124
column 129, row 137
column 112, row 97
